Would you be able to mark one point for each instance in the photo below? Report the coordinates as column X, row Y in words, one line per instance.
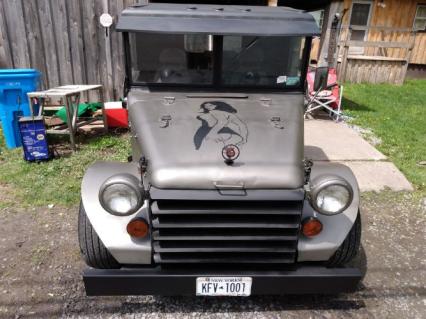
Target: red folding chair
column 321, row 94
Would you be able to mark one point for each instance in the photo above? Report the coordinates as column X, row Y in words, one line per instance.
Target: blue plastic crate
column 34, row 140
column 14, row 86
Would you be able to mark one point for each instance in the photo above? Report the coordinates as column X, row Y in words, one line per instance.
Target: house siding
column 395, row 14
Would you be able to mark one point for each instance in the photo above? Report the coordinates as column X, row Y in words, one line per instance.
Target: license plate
column 224, row 286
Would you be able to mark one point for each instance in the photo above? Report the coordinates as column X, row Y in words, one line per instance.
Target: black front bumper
column 154, row 281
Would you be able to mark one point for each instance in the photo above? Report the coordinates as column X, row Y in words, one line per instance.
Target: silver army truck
column 217, row 199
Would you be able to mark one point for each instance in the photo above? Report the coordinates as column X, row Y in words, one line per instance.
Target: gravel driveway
column 40, row 272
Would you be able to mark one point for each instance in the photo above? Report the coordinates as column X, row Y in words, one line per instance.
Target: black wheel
column 349, row 248
column 93, row 250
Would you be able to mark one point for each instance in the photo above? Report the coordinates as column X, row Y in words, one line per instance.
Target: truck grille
column 225, row 232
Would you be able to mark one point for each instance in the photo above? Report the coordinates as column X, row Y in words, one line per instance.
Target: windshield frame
column 217, row 83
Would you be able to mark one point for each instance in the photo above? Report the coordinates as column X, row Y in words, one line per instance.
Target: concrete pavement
column 326, row 140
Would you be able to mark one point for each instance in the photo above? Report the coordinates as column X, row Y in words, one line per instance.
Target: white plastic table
column 69, row 96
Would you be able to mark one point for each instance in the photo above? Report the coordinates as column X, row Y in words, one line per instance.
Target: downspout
column 107, row 35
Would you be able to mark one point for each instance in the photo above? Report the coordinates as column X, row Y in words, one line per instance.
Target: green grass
column 397, row 115
column 57, row 181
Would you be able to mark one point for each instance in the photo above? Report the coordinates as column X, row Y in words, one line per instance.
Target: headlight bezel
column 320, row 183
column 127, row 180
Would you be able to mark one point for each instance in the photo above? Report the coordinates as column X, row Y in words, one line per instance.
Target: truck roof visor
column 206, row 19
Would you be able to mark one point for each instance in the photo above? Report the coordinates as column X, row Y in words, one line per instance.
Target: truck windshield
column 224, row 61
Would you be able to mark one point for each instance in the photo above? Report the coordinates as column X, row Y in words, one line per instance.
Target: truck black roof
column 217, row 19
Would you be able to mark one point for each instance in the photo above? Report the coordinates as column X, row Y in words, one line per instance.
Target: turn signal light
column 311, row 227
column 138, row 228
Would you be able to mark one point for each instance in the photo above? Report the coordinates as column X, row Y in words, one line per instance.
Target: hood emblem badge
column 277, row 122
column 165, row 121
column 169, row 100
column 230, row 153
column 266, row 101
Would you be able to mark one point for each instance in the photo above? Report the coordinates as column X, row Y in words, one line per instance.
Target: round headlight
column 121, row 195
column 330, row 195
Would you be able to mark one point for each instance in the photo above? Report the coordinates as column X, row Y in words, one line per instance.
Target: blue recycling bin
column 14, row 86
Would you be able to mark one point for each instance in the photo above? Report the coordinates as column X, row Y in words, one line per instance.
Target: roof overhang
column 217, row 19
column 308, row 5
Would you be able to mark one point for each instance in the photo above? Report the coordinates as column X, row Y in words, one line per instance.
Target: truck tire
column 349, row 248
column 91, row 247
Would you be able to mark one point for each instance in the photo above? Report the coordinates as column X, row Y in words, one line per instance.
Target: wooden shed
column 377, row 40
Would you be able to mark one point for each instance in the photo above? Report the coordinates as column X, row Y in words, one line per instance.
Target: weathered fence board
column 90, row 41
column 60, row 29
column 99, row 34
column 49, row 53
column 64, row 40
column 16, row 31
column 5, row 54
column 76, row 40
column 33, row 32
column 116, row 52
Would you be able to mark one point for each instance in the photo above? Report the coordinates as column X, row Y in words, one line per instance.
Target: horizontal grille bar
column 206, row 246
column 157, row 236
column 225, row 233
column 214, row 208
column 223, row 258
column 216, row 224
column 231, row 232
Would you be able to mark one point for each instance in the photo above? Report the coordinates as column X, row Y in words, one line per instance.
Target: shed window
column 420, row 19
column 360, row 17
column 360, row 13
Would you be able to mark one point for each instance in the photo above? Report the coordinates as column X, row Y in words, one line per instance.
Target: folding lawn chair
column 320, row 94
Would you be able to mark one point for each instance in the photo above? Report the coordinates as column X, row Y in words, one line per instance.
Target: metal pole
column 101, row 93
column 108, row 54
column 70, row 126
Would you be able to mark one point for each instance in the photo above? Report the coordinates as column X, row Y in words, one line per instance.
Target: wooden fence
column 382, row 58
column 64, row 40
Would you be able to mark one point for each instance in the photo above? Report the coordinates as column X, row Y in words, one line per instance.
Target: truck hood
column 182, row 135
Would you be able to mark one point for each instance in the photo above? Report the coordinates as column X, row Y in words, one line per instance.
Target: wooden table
column 68, row 96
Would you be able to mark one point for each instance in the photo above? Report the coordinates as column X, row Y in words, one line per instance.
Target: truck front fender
column 111, row 229
column 336, row 227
